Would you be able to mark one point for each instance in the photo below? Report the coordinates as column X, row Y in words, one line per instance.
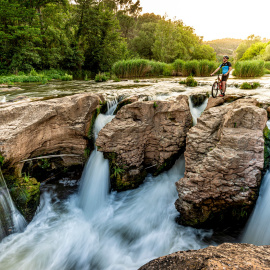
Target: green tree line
column 89, row 35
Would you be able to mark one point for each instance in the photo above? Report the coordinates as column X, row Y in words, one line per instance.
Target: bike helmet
column 226, row 56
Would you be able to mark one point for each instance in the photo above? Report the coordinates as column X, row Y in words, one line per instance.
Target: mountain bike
column 217, row 86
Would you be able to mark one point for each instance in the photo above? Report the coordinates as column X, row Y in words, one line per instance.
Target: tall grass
column 249, row 68
column 33, row 76
column 144, row 68
column 178, row 65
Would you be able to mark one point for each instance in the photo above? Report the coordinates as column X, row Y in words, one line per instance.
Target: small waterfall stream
column 95, row 181
column 257, row 230
column 11, row 220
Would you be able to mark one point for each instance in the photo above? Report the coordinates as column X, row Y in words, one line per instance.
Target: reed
column 249, row 68
column 178, row 65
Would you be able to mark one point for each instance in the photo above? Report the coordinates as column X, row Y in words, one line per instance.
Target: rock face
column 27, row 130
column 144, row 134
column 225, row 256
column 224, row 159
column 44, row 127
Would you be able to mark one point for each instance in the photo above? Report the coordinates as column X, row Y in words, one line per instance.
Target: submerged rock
column 226, row 256
column 142, row 135
column 224, row 159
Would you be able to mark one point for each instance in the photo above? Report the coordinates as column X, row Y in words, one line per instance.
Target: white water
column 257, row 230
column 95, row 181
column 130, row 228
column 11, row 221
column 197, row 111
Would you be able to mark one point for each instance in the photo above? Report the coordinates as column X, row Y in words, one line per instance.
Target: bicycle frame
column 217, row 86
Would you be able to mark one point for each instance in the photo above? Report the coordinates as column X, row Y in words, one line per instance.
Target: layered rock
column 43, row 127
column 224, row 159
column 27, row 130
column 226, row 256
column 142, row 135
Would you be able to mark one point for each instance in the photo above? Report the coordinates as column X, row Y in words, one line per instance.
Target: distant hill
column 225, row 46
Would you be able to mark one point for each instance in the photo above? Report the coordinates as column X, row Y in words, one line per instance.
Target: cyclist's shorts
column 224, row 78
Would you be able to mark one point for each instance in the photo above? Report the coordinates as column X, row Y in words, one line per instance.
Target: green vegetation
column 144, row 68
column 247, row 85
column 101, row 77
column 190, row 81
column 80, row 35
column 251, row 68
column 33, row 76
column 155, row 105
column 225, row 46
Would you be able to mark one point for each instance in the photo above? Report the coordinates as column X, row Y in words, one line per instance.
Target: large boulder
column 226, row 256
column 43, row 127
column 224, row 159
column 143, row 135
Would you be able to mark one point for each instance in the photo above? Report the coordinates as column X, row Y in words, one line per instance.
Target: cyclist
column 226, row 68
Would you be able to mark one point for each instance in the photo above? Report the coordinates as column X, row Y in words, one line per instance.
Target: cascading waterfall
column 197, row 111
column 11, row 220
column 130, row 228
column 95, row 181
column 257, row 231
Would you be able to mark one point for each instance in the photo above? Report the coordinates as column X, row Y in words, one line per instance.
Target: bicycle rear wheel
column 214, row 89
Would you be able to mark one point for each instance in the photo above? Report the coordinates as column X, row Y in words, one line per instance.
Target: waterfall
column 129, row 229
column 257, row 230
column 197, row 111
column 10, row 219
column 95, row 181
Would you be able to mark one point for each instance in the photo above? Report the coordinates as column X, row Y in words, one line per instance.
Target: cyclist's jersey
column 225, row 67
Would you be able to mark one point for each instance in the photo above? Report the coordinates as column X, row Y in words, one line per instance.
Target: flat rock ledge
column 144, row 134
column 224, row 159
column 226, row 256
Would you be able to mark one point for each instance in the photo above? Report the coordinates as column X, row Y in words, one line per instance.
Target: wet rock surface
column 224, row 159
column 226, row 256
column 142, row 135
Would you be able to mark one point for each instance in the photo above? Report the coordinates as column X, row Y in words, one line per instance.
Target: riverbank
column 154, row 87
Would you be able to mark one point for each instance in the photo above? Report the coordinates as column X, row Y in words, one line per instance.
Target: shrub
column 67, row 77
column 190, row 81
column 252, row 68
column 206, row 67
column 267, row 64
column 168, row 70
column 191, row 68
column 247, row 85
column 182, row 82
column 101, row 77
column 178, row 65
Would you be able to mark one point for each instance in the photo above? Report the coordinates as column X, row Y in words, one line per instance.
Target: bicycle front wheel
column 214, row 89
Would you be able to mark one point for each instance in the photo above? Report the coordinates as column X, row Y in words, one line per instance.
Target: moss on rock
column 25, row 193
column 266, row 134
column 120, row 177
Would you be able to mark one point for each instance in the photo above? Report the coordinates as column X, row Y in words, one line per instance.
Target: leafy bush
column 267, row 64
column 190, row 81
column 168, row 70
column 178, row 65
column 191, row 68
column 247, row 85
column 67, row 77
column 182, row 82
column 101, row 77
column 252, row 68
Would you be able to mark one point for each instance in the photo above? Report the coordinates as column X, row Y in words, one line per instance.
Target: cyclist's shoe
column 222, row 95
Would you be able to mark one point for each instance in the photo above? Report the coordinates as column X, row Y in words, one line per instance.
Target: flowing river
column 95, row 229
